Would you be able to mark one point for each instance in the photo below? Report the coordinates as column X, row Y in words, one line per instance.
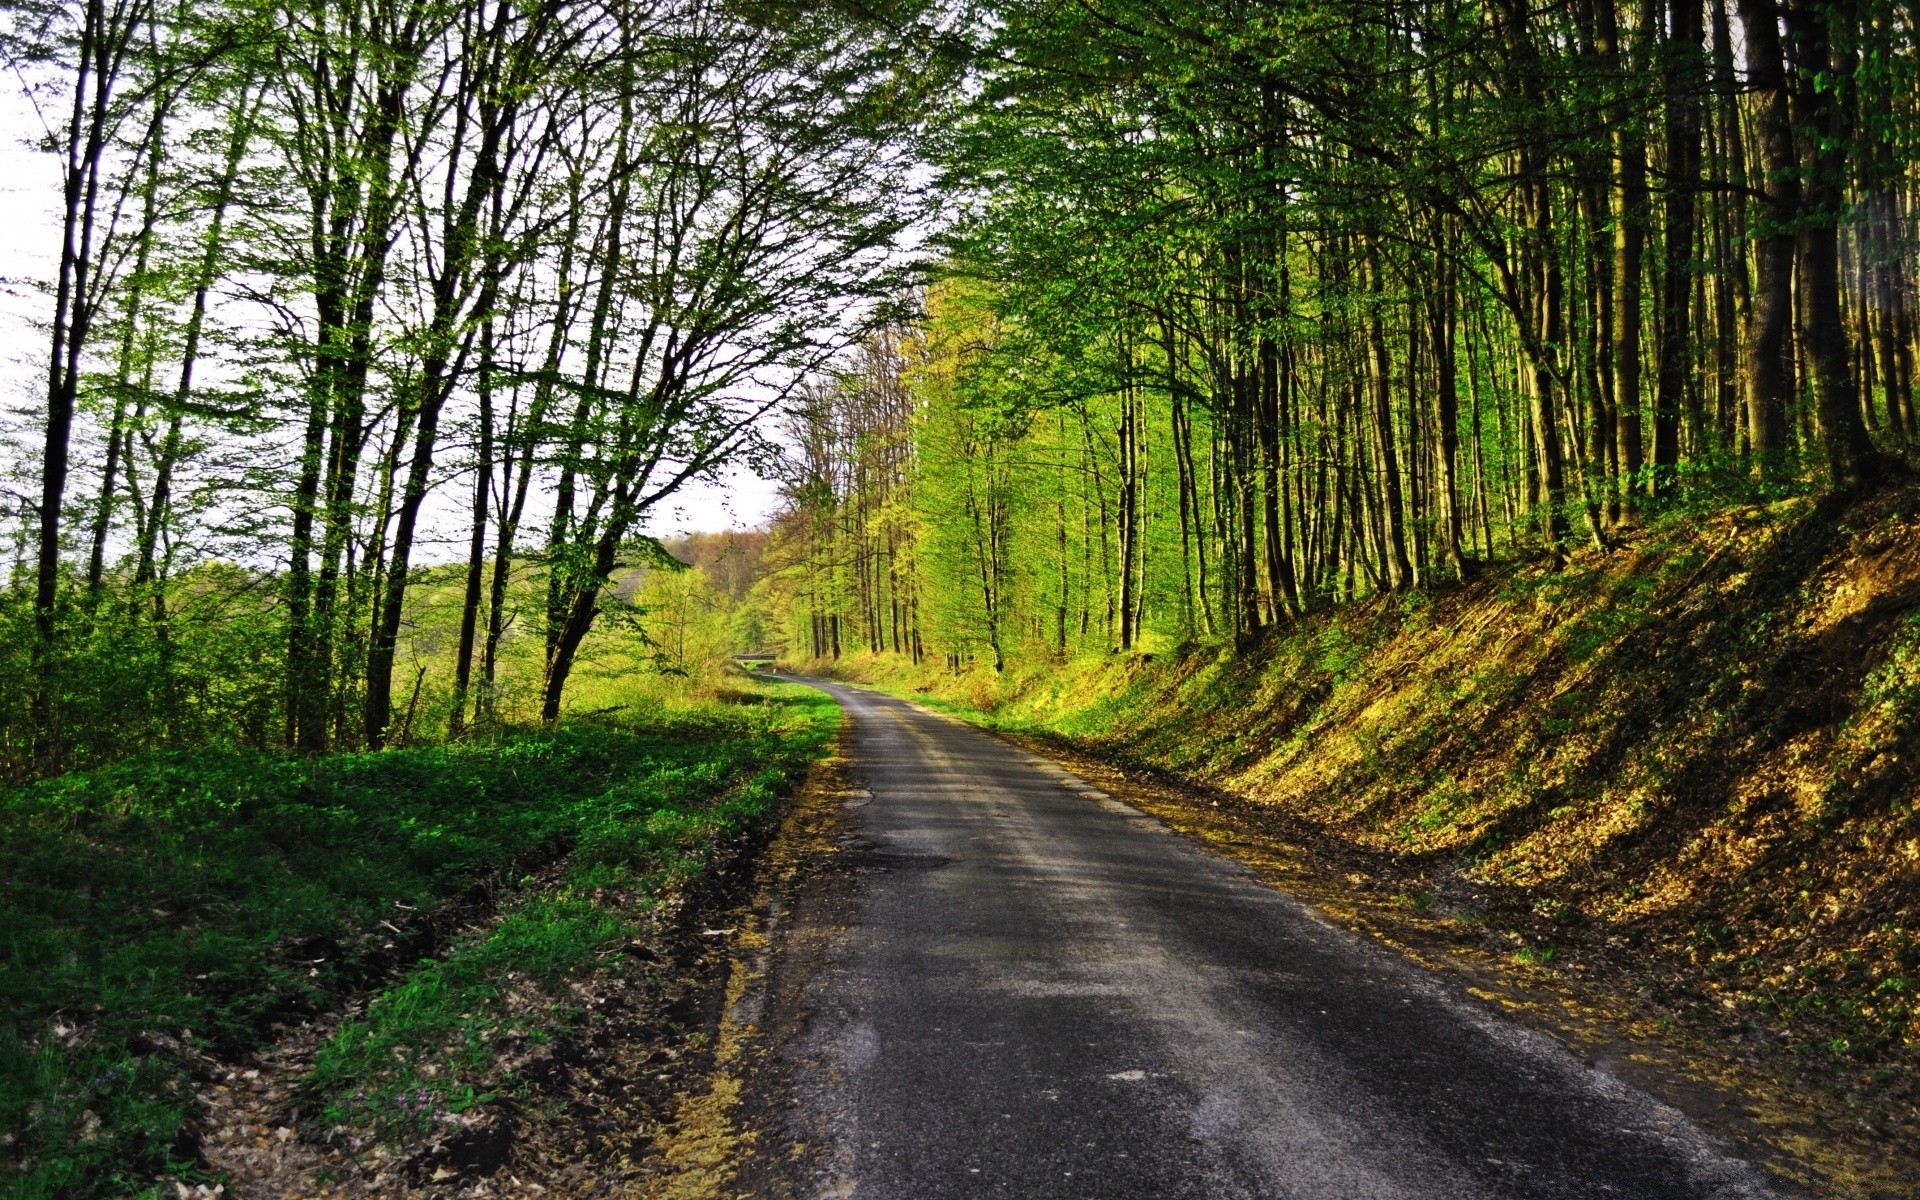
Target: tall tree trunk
column 1731, row 286
column 1767, row 366
column 1279, row 579
column 1629, row 243
column 1685, row 81
column 462, row 247
column 477, row 539
column 104, row 41
column 1398, row 570
column 1823, row 31
column 1548, row 315
column 1442, row 309
column 305, row 695
column 1128, row 480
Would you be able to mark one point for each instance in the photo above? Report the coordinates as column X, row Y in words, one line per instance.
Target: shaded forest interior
column 1251, row 314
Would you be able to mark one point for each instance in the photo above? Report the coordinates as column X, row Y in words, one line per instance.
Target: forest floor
column 483, row 969
column 1658, row 800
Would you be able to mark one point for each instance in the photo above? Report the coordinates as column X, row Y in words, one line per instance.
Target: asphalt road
column 1041, row 992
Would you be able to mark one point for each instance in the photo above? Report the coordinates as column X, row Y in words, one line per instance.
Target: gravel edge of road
column 721, row 1140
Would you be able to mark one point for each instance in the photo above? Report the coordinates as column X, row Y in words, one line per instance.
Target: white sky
column 740, row 501
column 29, row 245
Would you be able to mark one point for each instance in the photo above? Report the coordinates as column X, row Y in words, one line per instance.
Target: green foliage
column 210, row 676
column 1339, row 653
column 1892, row 688
column 185, row 902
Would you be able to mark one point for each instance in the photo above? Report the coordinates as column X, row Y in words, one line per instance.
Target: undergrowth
column 181, row 908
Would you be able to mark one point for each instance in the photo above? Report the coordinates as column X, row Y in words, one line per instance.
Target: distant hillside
column 730, row 558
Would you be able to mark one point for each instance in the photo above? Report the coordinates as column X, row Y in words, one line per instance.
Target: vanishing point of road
column 1041, row 992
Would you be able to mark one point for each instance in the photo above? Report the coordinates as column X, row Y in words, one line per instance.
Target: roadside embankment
column 1678, row 776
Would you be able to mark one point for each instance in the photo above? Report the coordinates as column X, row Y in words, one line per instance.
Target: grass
column 181, row 905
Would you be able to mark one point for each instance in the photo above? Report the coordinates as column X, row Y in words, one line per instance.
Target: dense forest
column 1252, row 310
column 1069, row 328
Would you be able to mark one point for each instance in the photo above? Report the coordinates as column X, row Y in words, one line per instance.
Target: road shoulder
column 736, row 1131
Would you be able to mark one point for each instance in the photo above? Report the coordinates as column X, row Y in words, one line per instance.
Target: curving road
column 1041, row 992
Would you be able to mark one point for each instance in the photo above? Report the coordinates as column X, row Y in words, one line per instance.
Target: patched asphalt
column 1041, row 992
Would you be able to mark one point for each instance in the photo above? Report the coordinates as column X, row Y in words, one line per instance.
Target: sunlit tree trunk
column 1822, row 32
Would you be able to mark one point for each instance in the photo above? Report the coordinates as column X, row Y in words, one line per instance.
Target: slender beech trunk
column 1442, row 311
column 1731, row 292
column 105, row 38
column 1685, row 81
column 1548, row 315
column 160, row 503
column 346, row 143
column 477, row 538
column 1629, row 241
column 1766, row 363
column 1822, row 30
column 1399, row 572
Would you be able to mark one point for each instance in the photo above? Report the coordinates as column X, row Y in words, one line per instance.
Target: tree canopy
column 1250, row 309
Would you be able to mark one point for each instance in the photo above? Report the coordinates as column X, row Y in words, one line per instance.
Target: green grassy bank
column 178, row 910
column 1691, row 757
